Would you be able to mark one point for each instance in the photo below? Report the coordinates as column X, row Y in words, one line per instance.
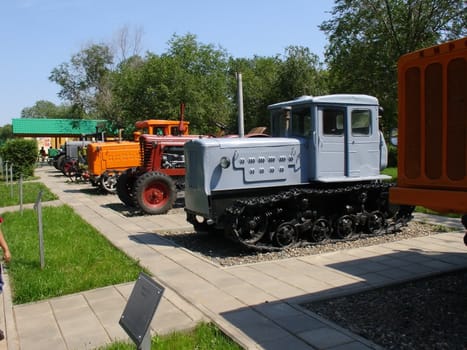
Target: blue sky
column 38, row 35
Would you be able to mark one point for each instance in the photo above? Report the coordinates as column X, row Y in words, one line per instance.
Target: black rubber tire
column 124, row 187
column 60, row 161
column 154, row 193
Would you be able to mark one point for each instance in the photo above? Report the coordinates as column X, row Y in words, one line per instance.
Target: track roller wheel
column 375, row 222
column 345, row 226
column 286, row 235
column 250, row 229
column 321, row 230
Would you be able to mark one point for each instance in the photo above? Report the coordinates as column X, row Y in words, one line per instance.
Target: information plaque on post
column 139, row 310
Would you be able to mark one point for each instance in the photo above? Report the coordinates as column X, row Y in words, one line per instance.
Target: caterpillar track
column 305, row 216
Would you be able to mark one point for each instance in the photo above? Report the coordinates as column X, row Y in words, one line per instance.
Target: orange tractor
column 107, row 160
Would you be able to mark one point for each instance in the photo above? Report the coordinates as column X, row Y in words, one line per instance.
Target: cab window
column 361, row 122
column 333, row 122
column 301, row 122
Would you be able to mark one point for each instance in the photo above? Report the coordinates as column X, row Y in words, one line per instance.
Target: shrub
column 392, row 156
column 22, row 154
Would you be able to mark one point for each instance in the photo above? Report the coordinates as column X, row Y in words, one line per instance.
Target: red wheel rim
column 156, row 194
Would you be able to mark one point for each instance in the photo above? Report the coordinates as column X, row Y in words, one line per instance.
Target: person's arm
column 6, row 250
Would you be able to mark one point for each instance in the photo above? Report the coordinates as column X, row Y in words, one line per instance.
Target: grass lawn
column 77, row 257
column 391, row 172
column 204, row 337
column 30, row 192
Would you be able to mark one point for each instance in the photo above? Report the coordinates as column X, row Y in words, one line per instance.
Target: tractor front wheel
column 108, row 182
column 154, row 193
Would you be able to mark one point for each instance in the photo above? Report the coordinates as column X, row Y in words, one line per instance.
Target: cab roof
column 345, row 99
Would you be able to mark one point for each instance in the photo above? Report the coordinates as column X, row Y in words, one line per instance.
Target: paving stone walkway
column 258, row 305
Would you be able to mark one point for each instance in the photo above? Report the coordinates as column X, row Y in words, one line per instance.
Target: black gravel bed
column 224, row 252
column 430, row 313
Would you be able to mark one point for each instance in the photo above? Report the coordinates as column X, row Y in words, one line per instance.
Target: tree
column 46, row 109
column 6, row 133
column 200, row 79
column 189, row 72
column 301, row 74
column 260, row 89
column 268, row 80
column 366, row 38
column 84, row 78
column 127, row 43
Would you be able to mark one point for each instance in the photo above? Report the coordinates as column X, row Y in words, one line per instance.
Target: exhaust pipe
column 241, row 128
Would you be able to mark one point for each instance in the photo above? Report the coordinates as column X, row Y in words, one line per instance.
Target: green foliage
column 46, row 109
column 77, row 257
column 202, row 76
column 84, row 79
column 300, row 74
column 204, row 337
column 190, row 73
column 6, row 133
column 267, row 80
column 424, row 210
column 259, row 80
column 30, row 192
column 392, row 156
column 391, row 171
column 367, row 37
column 22, row 154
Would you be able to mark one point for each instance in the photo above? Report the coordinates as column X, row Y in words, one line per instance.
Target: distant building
column 52, row 133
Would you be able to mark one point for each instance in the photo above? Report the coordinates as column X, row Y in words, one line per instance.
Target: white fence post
column 38, row 207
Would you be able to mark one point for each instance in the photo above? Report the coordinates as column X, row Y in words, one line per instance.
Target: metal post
column 6, row 172
column 20, row 184
column 241, row 128
column 146, row 343
column 38, row 208
column 11, row 180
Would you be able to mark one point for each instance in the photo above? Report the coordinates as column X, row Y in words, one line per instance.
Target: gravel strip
column 224, row 252
column 425, row 314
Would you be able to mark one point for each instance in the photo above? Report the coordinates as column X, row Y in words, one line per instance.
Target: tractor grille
column 146, row 147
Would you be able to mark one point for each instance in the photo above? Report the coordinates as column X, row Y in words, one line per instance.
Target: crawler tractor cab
column 340, row 133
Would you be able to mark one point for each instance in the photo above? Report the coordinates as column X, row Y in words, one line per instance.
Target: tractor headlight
column 224, row 162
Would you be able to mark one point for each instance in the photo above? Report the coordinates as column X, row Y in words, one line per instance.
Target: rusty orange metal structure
column 432, row 131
